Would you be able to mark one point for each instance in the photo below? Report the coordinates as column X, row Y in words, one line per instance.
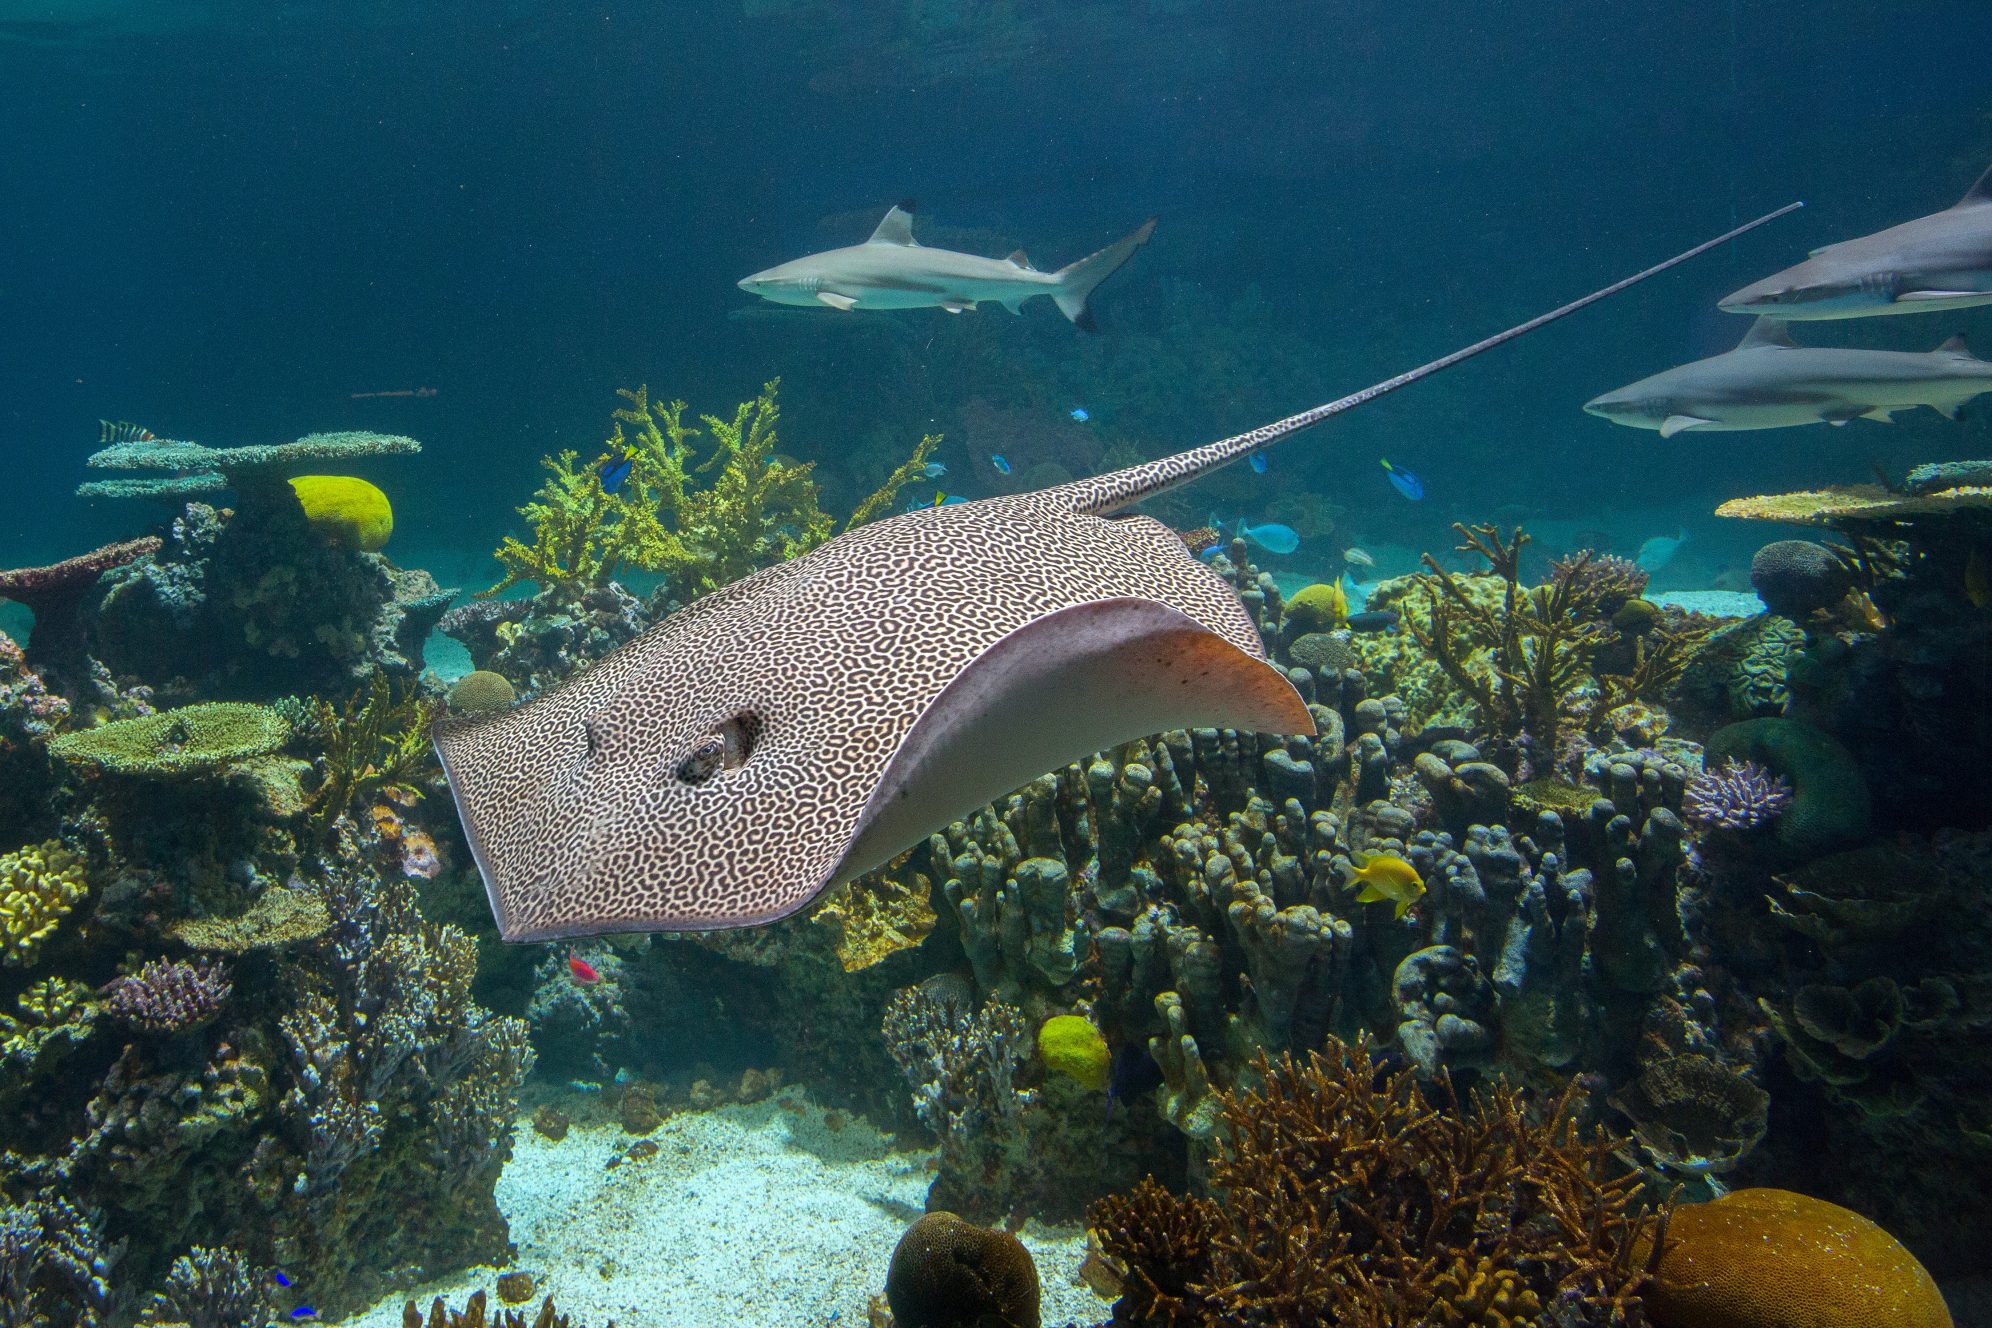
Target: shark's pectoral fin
column 1073, row 681
column 845, row 303
column 1674, row 424
column 1879, row 414
column 957, row 306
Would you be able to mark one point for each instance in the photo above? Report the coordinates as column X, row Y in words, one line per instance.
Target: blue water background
column 222, row 220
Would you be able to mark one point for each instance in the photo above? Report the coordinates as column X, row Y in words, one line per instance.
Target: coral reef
column 54, row 1267
column 167, row 996
column 346, row 510
column 1760, row 1258
column 54, row 594
column 212, row 1288
column 473, row 1315
column 1390, row 1208
column 39, row 886
column 1828, row 806
column 947, row 1273
column 1742, row 795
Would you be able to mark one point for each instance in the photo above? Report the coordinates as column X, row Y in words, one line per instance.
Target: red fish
column 583, row 971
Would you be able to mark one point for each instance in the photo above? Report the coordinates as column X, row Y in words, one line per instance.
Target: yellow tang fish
column 1385, row 876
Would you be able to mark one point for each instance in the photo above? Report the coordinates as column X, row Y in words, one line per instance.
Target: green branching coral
column 192, row 740
column 53, row 1013
column 374, row 740
column 700, row 516
column 39, row 885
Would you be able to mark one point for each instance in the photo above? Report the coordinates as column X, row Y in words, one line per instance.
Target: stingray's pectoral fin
column 1067, row 684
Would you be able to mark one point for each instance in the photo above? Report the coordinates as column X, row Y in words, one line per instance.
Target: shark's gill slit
column 727, row 747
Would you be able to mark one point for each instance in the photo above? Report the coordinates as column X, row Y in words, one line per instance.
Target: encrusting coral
column 1348, row 1196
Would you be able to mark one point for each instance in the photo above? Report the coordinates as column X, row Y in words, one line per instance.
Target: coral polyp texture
column 167, row 996
column 39, row 886
column 192, row 740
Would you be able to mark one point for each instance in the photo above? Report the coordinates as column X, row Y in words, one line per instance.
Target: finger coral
column 39, row 885
column 1390, row 1207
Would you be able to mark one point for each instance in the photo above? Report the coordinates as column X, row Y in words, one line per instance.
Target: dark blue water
column 224, row 220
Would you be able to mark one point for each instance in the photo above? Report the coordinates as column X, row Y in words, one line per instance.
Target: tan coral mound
column 1775, row 1259
column 1837, row 503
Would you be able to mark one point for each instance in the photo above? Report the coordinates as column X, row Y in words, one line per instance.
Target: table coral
column 190, row 741
column 193, row 468
column 39, row 886
column 1766, row 1258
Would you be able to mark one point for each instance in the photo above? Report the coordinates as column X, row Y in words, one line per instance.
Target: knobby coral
column 167, row 996
column 1352, row 1197
column 39, row 885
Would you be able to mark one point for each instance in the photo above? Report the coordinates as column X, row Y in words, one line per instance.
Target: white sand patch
column 748, row 1217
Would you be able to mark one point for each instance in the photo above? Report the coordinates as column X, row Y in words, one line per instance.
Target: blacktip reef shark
column 811, row 721
column 892, row 270
column 1770, row 381
column 1942, row 261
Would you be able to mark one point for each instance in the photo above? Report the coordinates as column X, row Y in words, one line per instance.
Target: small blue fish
column 277, row 1276
column 1405, row 482
column 1259, row 462
column 1080, row 414
column 1272, row 537
column 933, row 470
column 614, row 471
column 1001, row 462
column 303, row 1312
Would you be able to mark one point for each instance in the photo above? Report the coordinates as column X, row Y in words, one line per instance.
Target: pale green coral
column 757, row 509
column 39, row 885
column 281, row 916
column 192, row 740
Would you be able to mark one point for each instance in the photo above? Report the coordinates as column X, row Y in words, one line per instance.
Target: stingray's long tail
column 1105, row 493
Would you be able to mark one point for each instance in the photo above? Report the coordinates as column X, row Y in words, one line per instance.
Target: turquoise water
column 1655, row 805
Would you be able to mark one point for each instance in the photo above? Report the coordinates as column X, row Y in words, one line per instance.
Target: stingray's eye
column 727, row 747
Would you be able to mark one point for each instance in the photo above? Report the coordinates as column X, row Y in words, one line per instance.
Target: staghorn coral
column 54, row 1268
column 1742, row 795
column 39, row 886
column 1609, row 580
column 1385, row 1205
column 374, row 741
column 167, row 996
column 212, row 1288
column 191, row 741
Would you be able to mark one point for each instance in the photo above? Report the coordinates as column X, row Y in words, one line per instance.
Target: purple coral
column 1742, row 795
column 167, row 996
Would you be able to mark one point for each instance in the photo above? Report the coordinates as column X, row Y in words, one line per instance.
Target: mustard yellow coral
column 39, row 885
column 1073, row 1047
column 346, row 510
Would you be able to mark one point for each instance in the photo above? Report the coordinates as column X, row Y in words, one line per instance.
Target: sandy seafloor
column 747, row 1216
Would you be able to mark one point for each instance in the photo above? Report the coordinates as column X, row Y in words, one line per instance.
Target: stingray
column 805, row 724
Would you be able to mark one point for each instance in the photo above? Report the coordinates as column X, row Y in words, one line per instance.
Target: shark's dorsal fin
column 1767, row 332
column 897, row 227
column 1954, row 345
column 1022, row 260
column 1980, row 192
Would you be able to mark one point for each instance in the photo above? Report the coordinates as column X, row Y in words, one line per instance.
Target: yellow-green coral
column 1073, row 1047
column 192, row 740
column 1319, row 607
column 55, row 1017
column 756, row 509
column 281, row 916
column 374, row 740
column 39, row 885
column 345, row 509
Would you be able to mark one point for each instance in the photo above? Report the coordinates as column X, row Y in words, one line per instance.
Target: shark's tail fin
column 1076, row 280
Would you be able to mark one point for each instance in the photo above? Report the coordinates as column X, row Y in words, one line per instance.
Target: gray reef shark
column 1771, row 382
column 892, row 270
column 1942, row 261
column 809, row 722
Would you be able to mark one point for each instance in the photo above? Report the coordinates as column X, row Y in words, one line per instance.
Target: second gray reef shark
column 1770, row 382
column 1942, row 261
column 892, row 270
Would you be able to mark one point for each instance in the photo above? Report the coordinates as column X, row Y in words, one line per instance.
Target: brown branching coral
column 1350, row 1198
column 474, row 1315
column 374, row 741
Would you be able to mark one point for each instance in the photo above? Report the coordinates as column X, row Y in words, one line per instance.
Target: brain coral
column 1317, row 607
column 192, row 740
column 345, row 509
column 1071, row 1046
column 481, row 690
column 947, row 1273
column 1775, row 1259
column 39, row 884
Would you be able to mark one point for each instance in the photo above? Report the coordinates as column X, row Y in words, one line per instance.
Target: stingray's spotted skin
column 836, row 654
column 724, row 768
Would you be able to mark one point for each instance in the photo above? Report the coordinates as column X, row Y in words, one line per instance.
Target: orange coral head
column 1766, row 1258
